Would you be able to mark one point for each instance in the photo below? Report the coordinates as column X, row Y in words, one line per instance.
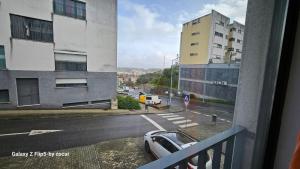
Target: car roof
column 177, row 137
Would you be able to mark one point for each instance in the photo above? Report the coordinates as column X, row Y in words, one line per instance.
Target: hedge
column 127, row 102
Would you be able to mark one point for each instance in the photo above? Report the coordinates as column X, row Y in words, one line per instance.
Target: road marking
column 153, row 122
column 222, row 119
column 175, row 118
column 228, row 121
column 170, row 116
column 181, row 121
column 13, row 134
column 188, row 125
column 165, row 114
column 31, row 133
column 222, row 111
column 37, row 132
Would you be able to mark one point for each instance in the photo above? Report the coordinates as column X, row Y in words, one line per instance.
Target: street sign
column 186, row 99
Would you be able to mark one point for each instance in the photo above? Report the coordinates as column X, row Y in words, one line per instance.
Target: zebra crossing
column 178, row 120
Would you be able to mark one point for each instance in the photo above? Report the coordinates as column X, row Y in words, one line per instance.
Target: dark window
column 70, row 66
column 71, row 85
column 218, row 45
column 193, row 54
column 232, row 39
column 2, row 58
column 166, row 144
column 31, row 29
column 239, row 31
column 238, row 50
column 232, row 29
column 193, row 44
column 4, row 96
column 219, row 34
column 230, row 49
column 72, row 8
column 195, row 33
column 221, row 23
column 238, row 41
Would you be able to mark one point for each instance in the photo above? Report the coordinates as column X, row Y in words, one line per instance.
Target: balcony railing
column 221, row 144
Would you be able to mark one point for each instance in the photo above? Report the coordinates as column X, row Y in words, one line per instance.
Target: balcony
column 222, row 146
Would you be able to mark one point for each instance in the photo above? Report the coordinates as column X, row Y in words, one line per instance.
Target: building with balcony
column 57, row 53
column 210, row 39
column 210, row 53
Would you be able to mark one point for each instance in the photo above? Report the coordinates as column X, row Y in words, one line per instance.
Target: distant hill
column 141, row 70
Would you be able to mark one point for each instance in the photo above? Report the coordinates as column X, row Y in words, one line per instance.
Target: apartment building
column 57, row 53
column 235, row 43
column 209, row 39
column 210, row 53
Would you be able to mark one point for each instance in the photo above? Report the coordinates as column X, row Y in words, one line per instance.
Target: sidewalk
column 114, row 154
column 15, row 114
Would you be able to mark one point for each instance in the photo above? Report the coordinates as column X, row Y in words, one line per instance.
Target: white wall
column 25, row 53
column 96, row 36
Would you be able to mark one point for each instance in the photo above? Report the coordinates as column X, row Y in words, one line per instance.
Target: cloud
column 144, row 39
column 234, row 9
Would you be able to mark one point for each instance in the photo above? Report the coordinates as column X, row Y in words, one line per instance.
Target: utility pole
column 171, row 85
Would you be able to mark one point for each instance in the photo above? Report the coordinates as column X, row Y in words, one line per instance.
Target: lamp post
column 171, row 85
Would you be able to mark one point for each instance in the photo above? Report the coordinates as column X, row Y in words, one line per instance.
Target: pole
column 185, row 116
column 171, row 83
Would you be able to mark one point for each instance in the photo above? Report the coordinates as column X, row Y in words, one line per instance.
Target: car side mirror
column 153, row 139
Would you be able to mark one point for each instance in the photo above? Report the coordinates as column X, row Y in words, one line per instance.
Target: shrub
column 127, row 102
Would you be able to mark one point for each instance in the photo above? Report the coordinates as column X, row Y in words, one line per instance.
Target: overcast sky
column 148, row 30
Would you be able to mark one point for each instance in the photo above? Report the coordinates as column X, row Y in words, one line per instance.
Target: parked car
column 153, row 99
column 162, row 143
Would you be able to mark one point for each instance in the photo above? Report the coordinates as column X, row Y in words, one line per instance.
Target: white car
column 162, row 143
column 153, row 99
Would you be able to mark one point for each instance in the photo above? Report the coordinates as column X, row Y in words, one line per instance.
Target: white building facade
column 57, row 53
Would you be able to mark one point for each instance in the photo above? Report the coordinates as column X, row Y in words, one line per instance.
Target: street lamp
column 171, row 85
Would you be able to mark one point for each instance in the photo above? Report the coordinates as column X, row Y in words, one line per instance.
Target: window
column 71, row 82
column 4, row 96
column 219, row 34
column 195, row 21
column 218, row 45
column 221, row 23
column 70, row 66
column 230, row 49
column 232, row 29
column 238, row 40
column 195, row 33
column 193, row 54
column 70, row 62
column 239, row 31
column 167, row 145
column 31, row 29
column 193, row 44
column 71, row 8
column 231, row 39
column 238, row 50
column 2, row 58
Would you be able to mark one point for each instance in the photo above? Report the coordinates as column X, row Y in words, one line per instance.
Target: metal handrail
column 182, row 156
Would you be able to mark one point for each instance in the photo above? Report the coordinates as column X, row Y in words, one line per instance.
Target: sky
column 149, row 30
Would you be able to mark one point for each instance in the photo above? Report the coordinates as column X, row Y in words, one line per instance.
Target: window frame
column 4, row 59
column 8, row 100
column 78, row 7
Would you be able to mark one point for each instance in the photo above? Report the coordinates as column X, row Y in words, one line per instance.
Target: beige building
column 206, row 40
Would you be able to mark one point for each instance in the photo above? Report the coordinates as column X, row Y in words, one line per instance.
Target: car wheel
column 147, row 147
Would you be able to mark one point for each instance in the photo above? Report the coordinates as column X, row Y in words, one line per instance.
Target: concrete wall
column 290, row 126
column 101, row 86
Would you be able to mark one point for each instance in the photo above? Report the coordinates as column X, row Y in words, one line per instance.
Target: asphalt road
column 77, row 131
column 80, row 131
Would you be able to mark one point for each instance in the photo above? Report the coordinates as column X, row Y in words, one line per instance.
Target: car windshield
column 178, row 138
